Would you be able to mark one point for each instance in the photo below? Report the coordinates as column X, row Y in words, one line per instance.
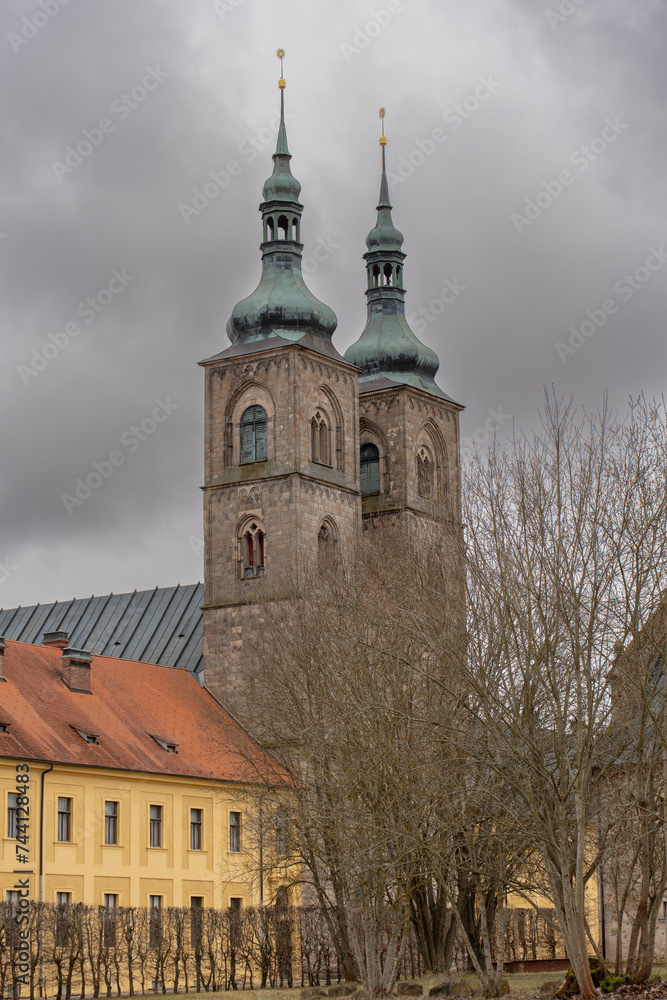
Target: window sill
column 119, row 847
column 152, row 848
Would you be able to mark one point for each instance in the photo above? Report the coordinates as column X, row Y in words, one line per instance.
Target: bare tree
column 565, row 557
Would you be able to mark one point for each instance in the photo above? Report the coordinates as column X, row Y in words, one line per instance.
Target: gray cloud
column 119, row 208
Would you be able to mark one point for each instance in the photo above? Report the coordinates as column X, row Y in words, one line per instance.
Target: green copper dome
column 387, row 347
column 384, row 234
column 281, row 305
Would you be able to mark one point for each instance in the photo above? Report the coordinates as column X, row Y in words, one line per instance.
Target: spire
column 387, row 347
column 281, row 305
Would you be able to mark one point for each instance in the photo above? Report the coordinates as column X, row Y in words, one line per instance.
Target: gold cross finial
column 281, row 55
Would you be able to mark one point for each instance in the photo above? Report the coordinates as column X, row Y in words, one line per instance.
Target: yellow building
column 125, row 784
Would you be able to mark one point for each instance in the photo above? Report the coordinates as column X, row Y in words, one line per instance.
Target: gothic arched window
column 370, row 470
column 320, row 439
column 254, row 434
column 253, row 547
column 424, row 473
column 327, row 546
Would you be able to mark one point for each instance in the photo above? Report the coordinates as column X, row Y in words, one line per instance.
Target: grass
column 519, row 982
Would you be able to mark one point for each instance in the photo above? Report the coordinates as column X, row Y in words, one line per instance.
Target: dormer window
column 4, row 727
column 165, row 744
column 86, row 737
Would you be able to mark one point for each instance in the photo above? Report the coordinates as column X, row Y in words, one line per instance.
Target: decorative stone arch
column 329, row 404
column 249, row 393
column 431, row 447
column 251, row 546
column 371, row 433
column 328, row 550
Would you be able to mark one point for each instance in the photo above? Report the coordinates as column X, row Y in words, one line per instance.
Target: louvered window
column 370, row 470
column 254, row 435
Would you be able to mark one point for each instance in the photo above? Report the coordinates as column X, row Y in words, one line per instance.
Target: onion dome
column 387, row 347
column 281, row 305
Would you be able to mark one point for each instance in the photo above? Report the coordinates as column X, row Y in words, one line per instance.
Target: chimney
column 76, row 669
column 3, row 646
column 58, row 639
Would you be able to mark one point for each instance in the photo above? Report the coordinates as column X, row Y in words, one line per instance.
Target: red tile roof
column 129, row 704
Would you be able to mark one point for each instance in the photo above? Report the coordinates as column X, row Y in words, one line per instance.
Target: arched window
column 269, row 228
column 376, row 276
column 283, row 228
column 253, row 545
column 388, row 273
column 370, row 470
column 327, row 546
column 254, row 435
column 424, row 473
column 320, row 439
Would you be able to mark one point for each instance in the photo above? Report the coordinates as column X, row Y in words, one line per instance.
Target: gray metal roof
column 156, row 626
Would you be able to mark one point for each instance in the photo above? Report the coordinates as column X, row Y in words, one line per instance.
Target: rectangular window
column 196, row 915
column 64, row 819
column 235, row 921
column 156, row 829
column 195, row 829
column 12, row 815
column 235, row 831
column 12, row 895
column 109, row 917
column 110, row 822
column 281, row 831
column 63, row 900
column 155, row 934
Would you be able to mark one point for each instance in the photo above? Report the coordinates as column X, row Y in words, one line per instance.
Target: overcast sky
column 490, row 104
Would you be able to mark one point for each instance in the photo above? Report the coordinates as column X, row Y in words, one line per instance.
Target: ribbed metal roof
column 155, row 626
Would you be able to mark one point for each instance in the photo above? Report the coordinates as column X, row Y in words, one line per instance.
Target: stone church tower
column 409, row 428
column 281, row 441
column 304, row 447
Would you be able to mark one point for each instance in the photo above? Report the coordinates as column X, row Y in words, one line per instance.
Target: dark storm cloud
column 172, row 97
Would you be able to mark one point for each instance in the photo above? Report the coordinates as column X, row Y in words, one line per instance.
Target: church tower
column 281, row 487
column 409, row 428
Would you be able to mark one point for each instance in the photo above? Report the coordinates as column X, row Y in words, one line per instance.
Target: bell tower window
column 424, row 473
column 254, row 435
column 370, row 470
column 320, row 439
column 253, row 547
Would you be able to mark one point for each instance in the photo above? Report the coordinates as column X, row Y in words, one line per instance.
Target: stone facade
column 402, row 423
column 288, row 495
column 291, row 496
